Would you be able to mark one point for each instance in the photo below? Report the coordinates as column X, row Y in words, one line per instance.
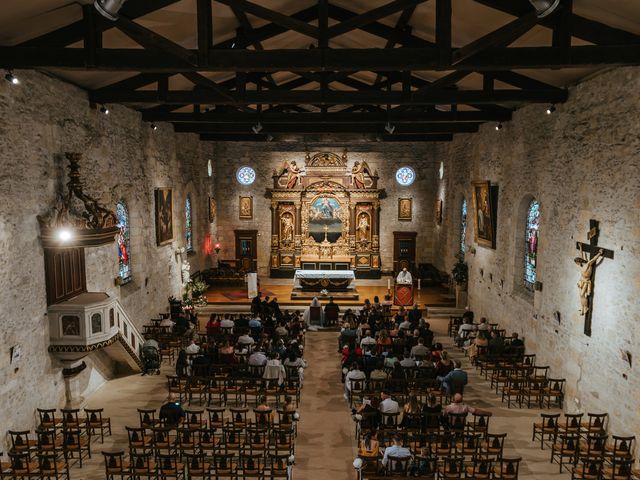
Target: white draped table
column 324, row 279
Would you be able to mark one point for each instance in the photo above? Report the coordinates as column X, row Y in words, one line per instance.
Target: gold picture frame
column 405, row 209
column 439, row 204
column 484, row 214
column 246, row 208
column 164, row 215
column 212, row 209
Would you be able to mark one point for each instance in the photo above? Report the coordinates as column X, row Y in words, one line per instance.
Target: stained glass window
column 188, row 231
column 463, row 226
column 246, row 175
column 123, row 240
column 531, row 244
column 405, row 176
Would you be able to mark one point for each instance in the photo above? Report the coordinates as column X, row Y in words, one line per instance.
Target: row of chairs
column 144, row 465
column 91, row 423
column 22, row 465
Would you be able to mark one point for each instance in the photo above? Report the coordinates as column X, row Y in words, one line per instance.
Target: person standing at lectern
column 404, row 277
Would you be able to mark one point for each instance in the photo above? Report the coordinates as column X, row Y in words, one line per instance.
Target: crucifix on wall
column 591, row 255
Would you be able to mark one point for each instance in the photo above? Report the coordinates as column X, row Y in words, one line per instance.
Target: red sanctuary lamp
column 217, row 248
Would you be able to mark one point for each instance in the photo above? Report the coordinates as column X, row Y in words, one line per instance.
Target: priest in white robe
column 404, row 277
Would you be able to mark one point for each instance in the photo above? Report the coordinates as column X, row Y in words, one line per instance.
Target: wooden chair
column 215, row 391
column 596, row 423
column 546, row 427
column 572, row 423
column 20, row 466
column 50, row 467
column 142, row 465
column 619, row 470
column 21, row 442
column 222, row 465
column 587, row 469
column 49, row 420
column 507, row 469
column 148, row 417
column 197, row 466
column 188, row 441
column 565, row 450
column 356, row 390
column 95, row 421
column 512, row 391
column 162, row 441
column 239, row 416
column 251, row 466
column 493, row 445
column 49, row 442
column 533, row 391
column 216, row 417
column 278, row 467
column 622, row 448
column 194, row 418
column 389, row 421
column 554, row 392
column 397, row 466
column 169, row 466
column 71, row 420
column 282, row 440
column 232, row 439
column 196, row 387
column 479, row 469
column 457, row 423
column 479, row 423
column 115, row 466
column 139, row 439
column 451, row 468
column 75, row 442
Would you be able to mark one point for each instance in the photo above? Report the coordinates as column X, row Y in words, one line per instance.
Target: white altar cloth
column 318, row 274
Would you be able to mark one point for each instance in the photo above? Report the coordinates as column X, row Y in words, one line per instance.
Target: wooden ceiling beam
column 371, row 16
column 300, row 97
column 75, row 31
column 273, row 16
column 332, row 118
column 266, row 137
column 205, row 30
column 401, row 129
column 340, row 60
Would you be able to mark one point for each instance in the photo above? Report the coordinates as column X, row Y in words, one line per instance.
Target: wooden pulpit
column 403, row 294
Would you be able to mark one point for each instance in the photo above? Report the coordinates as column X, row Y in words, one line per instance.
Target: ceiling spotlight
column 11, row 78
column 551, row 109
column 109, row 8
column 257, row 128
column 104, row 109
column 544, row 7
column 390, row 128
column 499, row 126
column 154, row 126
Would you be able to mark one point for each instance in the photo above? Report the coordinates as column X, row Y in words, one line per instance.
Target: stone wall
column 122, row 158
column 580, row 163
column 385, row 158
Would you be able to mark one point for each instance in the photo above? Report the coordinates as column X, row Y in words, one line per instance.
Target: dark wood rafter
column 422, row 109
column 250, row 137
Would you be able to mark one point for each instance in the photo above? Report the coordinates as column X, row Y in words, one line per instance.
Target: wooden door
column 404, row 251
column 246, row 250
column 64, row 273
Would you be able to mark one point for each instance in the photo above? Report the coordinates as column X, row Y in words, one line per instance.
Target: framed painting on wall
column 405, row 208
column 439, row 211
column 484, row 218
column 212, row 209
column 246, row 208
column 164, row 215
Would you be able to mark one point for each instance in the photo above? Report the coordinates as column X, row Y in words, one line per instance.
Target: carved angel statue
column 293, row 173
column 357, row 174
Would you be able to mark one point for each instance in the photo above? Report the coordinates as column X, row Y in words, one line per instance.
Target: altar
column 309, row 284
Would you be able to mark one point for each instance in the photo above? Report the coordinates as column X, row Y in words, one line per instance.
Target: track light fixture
column 551, row 109
column 390, row 128
column 153, row 126
column 257, row 128
column 104, row 109
column 499, row 126
column 544, row 7
column 109, row 8
column 11, row 78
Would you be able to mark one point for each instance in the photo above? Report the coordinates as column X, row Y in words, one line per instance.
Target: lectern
column 403, row 294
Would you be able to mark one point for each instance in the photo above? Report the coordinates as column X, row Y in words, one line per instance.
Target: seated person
column 395, row 450
column 388, row 404
column 444, row 364
column 454, row 380
column 354, row 374
column 419, row 351
column 458, row 406
column 369, row 445
column 171, row 413
column 515, row 341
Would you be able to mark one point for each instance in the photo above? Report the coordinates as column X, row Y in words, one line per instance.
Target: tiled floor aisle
column 325, row 446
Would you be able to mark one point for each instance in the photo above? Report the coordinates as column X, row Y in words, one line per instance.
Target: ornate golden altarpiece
column 325, row 215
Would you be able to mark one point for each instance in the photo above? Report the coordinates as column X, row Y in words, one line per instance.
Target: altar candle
column 388, row 284
column 418, row 284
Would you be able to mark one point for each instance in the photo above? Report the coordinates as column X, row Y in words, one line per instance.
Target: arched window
column 531, row 244
column 123, row 239
column 188, row 231
column 463, row 226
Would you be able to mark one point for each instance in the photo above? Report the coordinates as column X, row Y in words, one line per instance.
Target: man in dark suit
column 331, row 312
column 455, row 380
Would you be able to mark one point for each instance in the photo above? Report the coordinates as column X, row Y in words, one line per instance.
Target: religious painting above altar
column 325, row 216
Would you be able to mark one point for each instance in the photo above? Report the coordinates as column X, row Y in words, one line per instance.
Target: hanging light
column 390, row 128
column 499, row 126
column 109, row 8
column 551, row 109
column 104, row 109
column 257, row 128
column 154, row 126
column 544, row 7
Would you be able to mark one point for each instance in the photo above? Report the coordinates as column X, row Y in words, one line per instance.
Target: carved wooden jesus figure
column 585, row 284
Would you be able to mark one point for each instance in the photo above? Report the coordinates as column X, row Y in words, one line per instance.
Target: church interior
column 222, row 219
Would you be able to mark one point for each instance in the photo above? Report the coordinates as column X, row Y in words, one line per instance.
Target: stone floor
column 325, row 447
